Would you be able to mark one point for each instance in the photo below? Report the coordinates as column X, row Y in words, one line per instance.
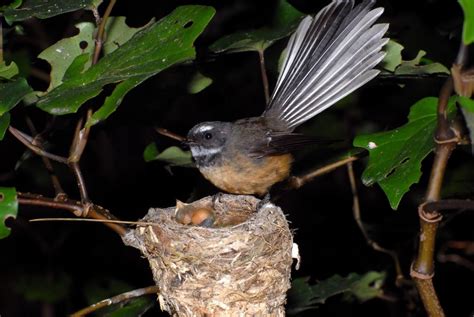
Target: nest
column 236, row 270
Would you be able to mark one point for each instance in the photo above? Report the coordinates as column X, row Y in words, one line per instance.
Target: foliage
column 8, row 208
column 396, row 155
column 304, row 296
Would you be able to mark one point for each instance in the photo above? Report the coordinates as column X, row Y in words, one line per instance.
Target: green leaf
column 112, row 102
column 394, row 63
column 103, row 288
column 198, row 83
column 134, row 307
column 8, row 71
column 11, row 94
column 45, row 9
column 163, row 44
column 4, row 123
column 468, row 27
column 396, row 155
column 63, row 53
column 43, row 288
column 118, row 32
column 303, row 296
column 13, row 5
column 285, row 21
column 393, row 55
column 173, row 155
column 8, row 208
column 467, row 108
column 415, row 66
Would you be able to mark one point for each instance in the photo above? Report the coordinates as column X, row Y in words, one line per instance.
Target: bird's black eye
column 208, row 136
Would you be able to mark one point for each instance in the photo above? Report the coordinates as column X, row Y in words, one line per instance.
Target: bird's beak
column 189, row 141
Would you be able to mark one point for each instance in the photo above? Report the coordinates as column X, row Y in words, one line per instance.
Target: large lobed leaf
column 396, row 155
column 44, row 9
column 303, row 296
column 161, row 45
column 8, row 208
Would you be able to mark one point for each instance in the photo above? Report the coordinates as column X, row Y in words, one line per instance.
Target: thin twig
column 58, row 189
column 357, row 216
column 298, row 181
column 99, row 40
column 78, row 145
column 266, row 89
column 117, row 299
column 76, row 207
column 28, row 142
column 124, row 222
column 170, row 134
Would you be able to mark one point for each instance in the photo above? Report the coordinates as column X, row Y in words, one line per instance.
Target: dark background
column 78, row 255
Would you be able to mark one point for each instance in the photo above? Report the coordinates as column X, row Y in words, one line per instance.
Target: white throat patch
column 199, row 151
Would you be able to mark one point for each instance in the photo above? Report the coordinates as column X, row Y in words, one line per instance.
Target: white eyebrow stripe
column 205, row 128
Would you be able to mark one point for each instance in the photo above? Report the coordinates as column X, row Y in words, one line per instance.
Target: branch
column 117, row 299
column 296, row 182
column 76, row 207
column 99, row 39
column 357, row 216
column 266, row 89
column 58, row 189
column 422, row 269
column 28, row 141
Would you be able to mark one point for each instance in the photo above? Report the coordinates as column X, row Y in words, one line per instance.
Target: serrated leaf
column 285, row 21
column 8, row 71
column 393, row 55
column 303, row 296
column 118, row 32
column 11, row 94
column 112, row 102
column 173, row 156
column 395, row 156
column 63, row 53
column 8, row 208
column 44, row 9
column 163, row 44
column 4, row 123
column 468, row 27
column 198, row 83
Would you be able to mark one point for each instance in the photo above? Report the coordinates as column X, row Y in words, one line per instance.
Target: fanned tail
column 328, row 57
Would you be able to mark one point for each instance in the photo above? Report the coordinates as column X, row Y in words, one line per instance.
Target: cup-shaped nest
column 240, row 266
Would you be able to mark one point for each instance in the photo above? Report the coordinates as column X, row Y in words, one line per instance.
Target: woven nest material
column 239, row 270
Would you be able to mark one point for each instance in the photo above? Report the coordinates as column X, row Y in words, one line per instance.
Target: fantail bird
column 328, row 57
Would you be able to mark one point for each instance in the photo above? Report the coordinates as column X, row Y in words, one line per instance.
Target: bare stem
column 263, row 72
column 99, row 40
column 298, row 181
column 422, row 269
column 28, row 141
column 76, row 207
column 117, row 299
column 170, row 134
column 58, row 189
column 357, row 216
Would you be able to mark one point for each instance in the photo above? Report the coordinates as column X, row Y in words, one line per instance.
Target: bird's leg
column 263, row 201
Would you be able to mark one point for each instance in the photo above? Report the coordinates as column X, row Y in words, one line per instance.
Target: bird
column 329, row 56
